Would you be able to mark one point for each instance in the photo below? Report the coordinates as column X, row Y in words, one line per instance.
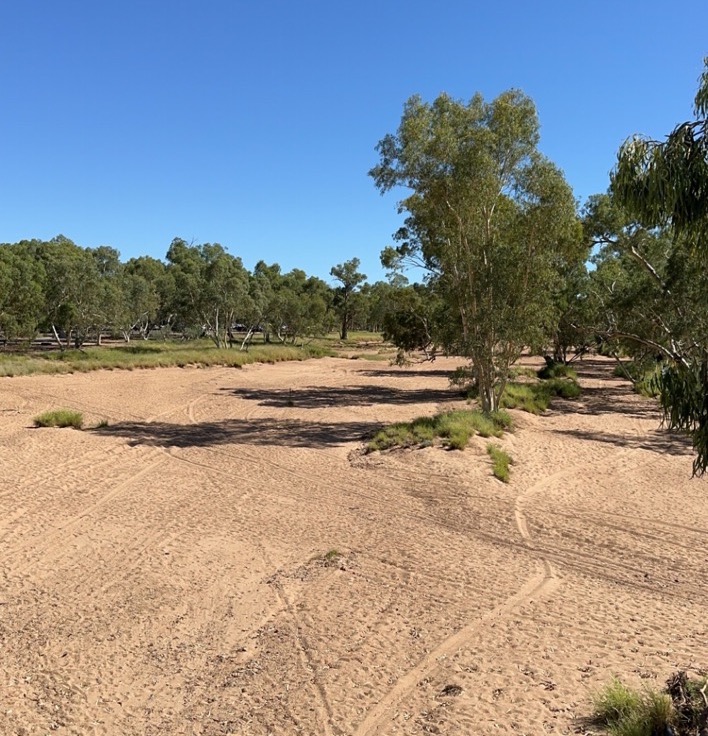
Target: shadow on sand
column 265, row 431
column 320, row 397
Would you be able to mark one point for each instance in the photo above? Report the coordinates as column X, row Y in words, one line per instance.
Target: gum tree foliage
column 664, row 184
column 490, row 219
column 22, row 279
column 350, row 279
column 211, row 288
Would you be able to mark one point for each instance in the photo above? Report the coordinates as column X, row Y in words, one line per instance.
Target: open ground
column 215, row 555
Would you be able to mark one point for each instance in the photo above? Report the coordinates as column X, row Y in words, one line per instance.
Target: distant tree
column 22, row 279
column 211, row 287
column 489, row 218
column 350, row 279
column 72, row 290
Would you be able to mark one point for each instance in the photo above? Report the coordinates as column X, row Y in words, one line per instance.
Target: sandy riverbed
column 169, row 572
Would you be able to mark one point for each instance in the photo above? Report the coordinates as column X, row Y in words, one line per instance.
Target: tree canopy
column 490, row 219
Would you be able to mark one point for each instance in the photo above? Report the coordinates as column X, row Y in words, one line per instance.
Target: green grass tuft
column 455, row 429
column 557, row 370
column 500, row 462
column 60, row 418
column 331, row 558
column 535, row 398
column 623, row 711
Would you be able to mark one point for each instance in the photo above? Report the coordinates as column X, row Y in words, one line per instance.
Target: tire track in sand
column 49, row 537
column 542, row 583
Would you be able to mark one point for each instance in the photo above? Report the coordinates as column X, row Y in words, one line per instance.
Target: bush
column 681, row 710
column 536, row 397
column 60, row 418
column 557, row 370
column 455, row 428
column 643, row 374
column 500, row 462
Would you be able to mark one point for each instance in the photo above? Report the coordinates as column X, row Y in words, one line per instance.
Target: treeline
column 78, row 294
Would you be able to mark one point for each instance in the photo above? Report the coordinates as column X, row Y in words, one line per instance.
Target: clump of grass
column 623, row 711
column 500, row 462
column 536, row 397
column 525, row 371
column 557, row 370
column 60, row 418
column 332, row 558
column 455, row 429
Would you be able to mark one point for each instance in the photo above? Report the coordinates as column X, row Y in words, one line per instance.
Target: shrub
column 455, row 428
column 500, row 462
column 60, row 418
column 557, row 370
column 626, row 712
column 536, row 397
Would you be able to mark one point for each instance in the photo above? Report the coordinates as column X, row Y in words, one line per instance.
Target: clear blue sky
column 253, row 124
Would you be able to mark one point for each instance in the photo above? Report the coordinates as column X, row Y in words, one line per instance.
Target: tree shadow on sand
column 265, row 431
column 320, row 397
column 660, row 441
column 619, row 399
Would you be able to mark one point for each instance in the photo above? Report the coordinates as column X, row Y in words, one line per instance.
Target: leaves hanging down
column 663, row 187
column 684, row 398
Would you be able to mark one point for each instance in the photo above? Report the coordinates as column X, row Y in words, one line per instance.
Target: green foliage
column 500, row 462
column 455, row 428
column 661, row 186
column 627, row 712
column 491, row 220
column 60, row 418
column 350, row 279
column 683, row 393
column 557, row 370
column 332, row 558
column 535, row 398
column 644, row 375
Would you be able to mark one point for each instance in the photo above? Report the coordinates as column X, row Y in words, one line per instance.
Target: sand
column 221, row 558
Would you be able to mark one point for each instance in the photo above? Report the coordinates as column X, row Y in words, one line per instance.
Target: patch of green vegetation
column 680, row 709
column 536, row 397
column 519, row 371
column 557, row 370
column 501, row 461
column 455, row 429
column 643, row 375
column 60, row 418
column 623, row 711
column 332, row 558
column 200, row 353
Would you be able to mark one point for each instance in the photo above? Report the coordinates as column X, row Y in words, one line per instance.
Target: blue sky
column 253, row 124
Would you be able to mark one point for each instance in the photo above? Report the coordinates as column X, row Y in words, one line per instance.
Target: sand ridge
column 169, row 572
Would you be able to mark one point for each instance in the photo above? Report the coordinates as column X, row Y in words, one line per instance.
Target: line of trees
column 80, row 294
column 510, row 263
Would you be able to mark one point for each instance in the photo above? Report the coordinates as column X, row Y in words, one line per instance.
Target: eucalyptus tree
column 664, row 184
column 22, row 278
column 350, row 280
column 72, row 290
column 488, row 217
column 211, row 287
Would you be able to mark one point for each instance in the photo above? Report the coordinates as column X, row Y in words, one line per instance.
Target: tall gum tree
column 489, row 218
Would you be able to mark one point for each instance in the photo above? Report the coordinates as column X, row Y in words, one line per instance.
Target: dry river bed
column 221, row 558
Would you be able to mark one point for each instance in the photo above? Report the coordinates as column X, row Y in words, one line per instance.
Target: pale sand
column 165, row 574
